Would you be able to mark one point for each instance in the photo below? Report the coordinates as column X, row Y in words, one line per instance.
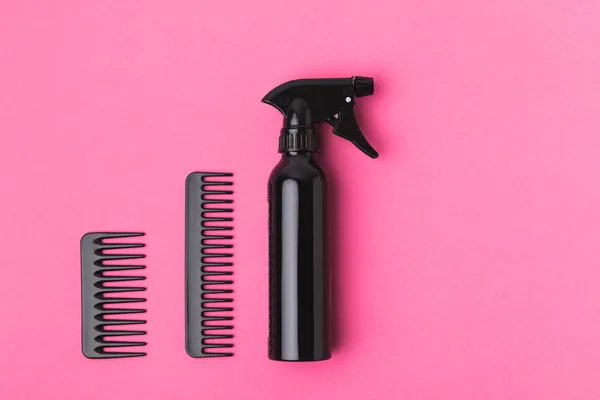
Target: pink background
column 468, row 253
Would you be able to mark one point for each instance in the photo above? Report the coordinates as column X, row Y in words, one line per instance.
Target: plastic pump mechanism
column 304, row 102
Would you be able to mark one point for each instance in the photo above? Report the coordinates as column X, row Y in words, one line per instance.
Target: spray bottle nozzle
column 328, row 100
column 363, row 86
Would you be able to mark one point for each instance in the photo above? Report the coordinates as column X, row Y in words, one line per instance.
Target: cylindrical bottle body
column 299, row 286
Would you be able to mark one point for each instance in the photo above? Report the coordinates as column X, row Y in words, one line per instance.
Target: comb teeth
column 100, row 258
column 208, row 264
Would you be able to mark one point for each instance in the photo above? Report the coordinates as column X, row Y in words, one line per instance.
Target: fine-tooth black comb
column 208, row 264
column 103, row 298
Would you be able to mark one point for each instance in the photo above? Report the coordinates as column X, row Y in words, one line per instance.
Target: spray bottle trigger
column 346, row 126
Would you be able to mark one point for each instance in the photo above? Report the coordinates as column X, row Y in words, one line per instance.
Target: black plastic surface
column 304, row 102
column 100, row 261
column 208, row 265
column 299, row 273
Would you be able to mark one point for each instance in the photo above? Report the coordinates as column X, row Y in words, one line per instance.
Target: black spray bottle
column 299, row 273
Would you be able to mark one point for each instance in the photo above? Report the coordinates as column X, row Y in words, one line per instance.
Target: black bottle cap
column 304, row 102
column 297, row 133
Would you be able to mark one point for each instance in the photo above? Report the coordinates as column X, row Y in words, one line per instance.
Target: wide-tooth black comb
column 96, row 284
column 207, row 263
